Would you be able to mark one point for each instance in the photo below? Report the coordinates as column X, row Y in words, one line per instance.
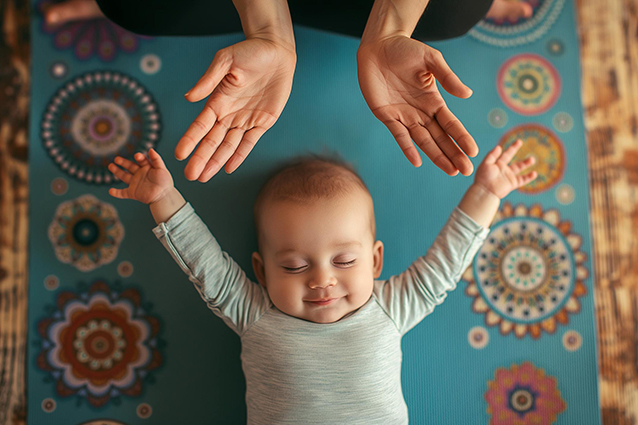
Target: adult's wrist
column 389, row 18
column 266, row 19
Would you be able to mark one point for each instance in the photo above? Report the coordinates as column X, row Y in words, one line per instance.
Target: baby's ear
column 377, row 253
column 258, row 268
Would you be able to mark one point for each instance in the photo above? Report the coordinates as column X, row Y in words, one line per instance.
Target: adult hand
column 250, row 84
column 397, row 76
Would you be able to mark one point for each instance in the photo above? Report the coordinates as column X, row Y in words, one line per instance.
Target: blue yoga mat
column 117, row 333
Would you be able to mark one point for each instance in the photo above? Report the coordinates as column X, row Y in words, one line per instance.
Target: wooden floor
column 609, row 53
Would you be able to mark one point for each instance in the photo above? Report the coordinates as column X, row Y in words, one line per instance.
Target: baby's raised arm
column 220, row 281
column 413, row 294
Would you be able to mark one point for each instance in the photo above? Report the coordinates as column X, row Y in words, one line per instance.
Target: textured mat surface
column 117, row 332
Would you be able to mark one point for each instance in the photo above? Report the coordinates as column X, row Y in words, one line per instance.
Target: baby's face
column 319, row 259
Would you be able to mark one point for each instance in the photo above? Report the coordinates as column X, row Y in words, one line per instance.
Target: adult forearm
column 393, row 17
column 266, row 19
column 167, row 206
column 480, row 204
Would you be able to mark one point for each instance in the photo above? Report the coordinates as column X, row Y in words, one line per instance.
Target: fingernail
column 186, row 94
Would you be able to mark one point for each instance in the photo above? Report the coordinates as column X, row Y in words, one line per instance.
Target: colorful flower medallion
column 523, row 395
column 505, row 33
column 528, row 84
column 86, row 233
column 548, row 150
column 99, row 344
column 95, row 117
column 529, row 273
column 90, row 37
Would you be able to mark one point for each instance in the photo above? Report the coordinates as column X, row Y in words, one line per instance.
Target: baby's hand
column 148, row 180
column 495, row 175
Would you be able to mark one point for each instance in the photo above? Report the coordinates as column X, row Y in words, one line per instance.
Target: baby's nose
column 322, row 280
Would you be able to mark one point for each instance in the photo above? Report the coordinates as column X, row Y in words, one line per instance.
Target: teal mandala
column 95, row 117
column 86, row 233
column 529, row 274
column 525, row 30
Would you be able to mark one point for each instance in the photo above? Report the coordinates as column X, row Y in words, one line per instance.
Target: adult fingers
column 442, row 72
column 247, row 144
column 423, row 138
column 449, row 148
column 509, row 153
column 196, row 131
column 119, row 193
column 221, row 155
column 402, row 136
column 130, row 166
column 219, row 67
column 205, row 151
column 455, row 129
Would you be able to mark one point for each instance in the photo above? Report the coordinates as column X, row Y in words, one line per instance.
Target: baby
column 321, row 336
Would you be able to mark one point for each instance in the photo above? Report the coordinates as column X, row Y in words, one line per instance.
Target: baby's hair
column 307, row 178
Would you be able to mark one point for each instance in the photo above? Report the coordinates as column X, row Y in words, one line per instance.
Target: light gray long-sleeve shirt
column 300, row 372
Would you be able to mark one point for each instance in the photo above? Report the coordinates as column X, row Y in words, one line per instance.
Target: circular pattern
column 94, row 118
column 528, row 84
column 125, row 269
column 523, row 394
column 478, row 337
column 48, row 405
column 150, row 64
column 59, row 186
column 497, row 118
column 529, row 273
column 572, row 340
column 524, row 279
column 51, row 282
column 86, row 233
column 144, row 410
column 548, row 150
column 565, row 194
column 526, row 30
column 59, row 69
column 100, row 344
column 555, row 47
column 563, row 122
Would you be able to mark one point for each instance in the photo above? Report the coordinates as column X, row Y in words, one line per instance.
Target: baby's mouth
column 322, row 301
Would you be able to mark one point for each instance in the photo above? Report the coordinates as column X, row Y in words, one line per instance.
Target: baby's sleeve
column 410, row 296
column 220, row 281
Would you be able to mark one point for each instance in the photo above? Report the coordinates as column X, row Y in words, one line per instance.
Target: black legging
column 441, row 20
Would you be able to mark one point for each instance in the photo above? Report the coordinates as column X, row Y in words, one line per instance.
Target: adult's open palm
column 250, row 84
column 397, row 78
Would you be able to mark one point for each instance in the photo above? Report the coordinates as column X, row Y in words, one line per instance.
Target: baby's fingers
column 126, row 164
column 119, row 193
column 141, row 159
column 119, row 173
column 521, row 165
column 156, row 159
column 509, row 153
column 523, row 180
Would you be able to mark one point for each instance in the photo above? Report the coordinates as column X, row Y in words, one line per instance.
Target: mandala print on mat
column 90, row 37
column 523, row 395
column 95, row 117
column 525, row 30
column 86, row 233
column 530, row 272
column 99, row 344
column 528, row 84
column 548, row 150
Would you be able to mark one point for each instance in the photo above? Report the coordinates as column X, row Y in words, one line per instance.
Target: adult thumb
column 219, row 67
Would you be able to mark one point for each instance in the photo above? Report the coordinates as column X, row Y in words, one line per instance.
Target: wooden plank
column 14, row 111
column 609, row 58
